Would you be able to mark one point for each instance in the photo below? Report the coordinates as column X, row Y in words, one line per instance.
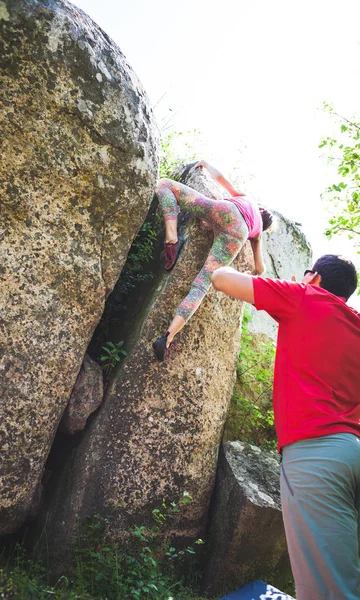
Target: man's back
column 317, row 371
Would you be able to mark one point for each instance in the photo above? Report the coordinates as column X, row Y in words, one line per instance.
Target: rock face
column 86, row 397
column 79, row 164
column 158, row 431
column 246, row 537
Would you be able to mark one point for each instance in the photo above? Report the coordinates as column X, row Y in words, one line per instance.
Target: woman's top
column 251, row 213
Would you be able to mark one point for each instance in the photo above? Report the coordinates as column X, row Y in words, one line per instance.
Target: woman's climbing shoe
column 159, row 347
column 171, row 253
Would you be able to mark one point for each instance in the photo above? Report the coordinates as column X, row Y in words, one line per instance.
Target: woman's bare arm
column 219, row 177
column 256, row 247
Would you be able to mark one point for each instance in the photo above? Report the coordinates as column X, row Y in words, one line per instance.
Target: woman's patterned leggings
column 228, row 225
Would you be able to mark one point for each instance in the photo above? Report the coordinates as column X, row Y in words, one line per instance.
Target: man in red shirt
column 317, row 417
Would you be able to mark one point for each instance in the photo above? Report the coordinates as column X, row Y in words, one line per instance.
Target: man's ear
column 315, row 279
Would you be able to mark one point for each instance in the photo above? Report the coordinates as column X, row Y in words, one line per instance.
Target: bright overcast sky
column 249, row 73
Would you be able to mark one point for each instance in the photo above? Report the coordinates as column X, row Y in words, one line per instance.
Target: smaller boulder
column 86, row 397
column 246, row 538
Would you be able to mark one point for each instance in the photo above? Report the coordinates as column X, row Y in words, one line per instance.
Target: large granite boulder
column 158, row 431
column 79, row 164
column 246, row 539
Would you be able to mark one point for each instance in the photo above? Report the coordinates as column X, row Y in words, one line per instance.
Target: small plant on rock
column 113, row 355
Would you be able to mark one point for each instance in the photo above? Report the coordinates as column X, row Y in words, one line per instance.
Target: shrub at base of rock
column 246, row 540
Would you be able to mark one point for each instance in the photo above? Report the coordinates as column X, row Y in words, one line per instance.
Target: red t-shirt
column 317, row 367
column 251, row 213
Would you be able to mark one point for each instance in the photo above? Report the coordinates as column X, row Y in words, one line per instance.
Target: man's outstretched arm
column 235, row 284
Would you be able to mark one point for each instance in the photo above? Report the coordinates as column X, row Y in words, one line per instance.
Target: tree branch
column 347, row 120
column 346, row 229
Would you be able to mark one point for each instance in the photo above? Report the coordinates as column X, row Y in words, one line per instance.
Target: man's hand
column 235, row 284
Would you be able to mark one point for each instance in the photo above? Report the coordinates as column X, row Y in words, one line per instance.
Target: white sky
column 253, row 73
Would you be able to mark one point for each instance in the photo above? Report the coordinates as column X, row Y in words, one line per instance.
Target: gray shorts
column 320, row 495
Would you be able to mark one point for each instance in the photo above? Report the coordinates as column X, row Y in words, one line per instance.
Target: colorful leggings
column 228, row 225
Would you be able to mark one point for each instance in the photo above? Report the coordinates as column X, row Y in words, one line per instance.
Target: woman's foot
column 171, row 253
column 159, row 347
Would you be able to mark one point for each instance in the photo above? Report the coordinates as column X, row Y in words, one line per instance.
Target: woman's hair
column 267, row 218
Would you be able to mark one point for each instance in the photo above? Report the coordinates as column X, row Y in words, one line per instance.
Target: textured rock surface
column 247, row 537
column 86, row 397
column 79, row 163
column 158, row 430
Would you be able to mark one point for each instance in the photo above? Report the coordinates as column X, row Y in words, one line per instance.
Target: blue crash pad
column 257, row 590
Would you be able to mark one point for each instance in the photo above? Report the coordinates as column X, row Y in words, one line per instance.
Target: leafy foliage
column 344, row 195
column 251, row 417
column 104, row 572
column 113, row 353
column 24, row 579
column 178, row 148
column 147, row 573
column 140, row 254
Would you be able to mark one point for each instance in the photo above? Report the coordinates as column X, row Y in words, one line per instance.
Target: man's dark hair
column 338, row 275
column 267, row 218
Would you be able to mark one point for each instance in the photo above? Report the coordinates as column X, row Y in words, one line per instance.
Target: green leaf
column 106, row 350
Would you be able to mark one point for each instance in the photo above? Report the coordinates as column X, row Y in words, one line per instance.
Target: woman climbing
column 233, row 221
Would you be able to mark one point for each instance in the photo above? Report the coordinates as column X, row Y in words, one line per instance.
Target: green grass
column 28, row 581
column 154, row 569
